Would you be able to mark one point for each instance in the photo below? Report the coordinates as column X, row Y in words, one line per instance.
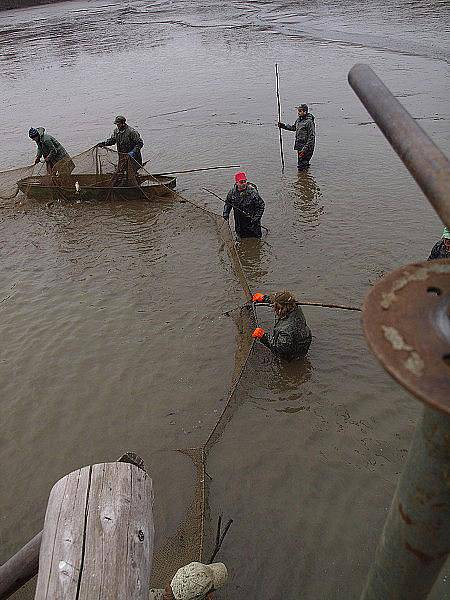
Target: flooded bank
column 112, row 314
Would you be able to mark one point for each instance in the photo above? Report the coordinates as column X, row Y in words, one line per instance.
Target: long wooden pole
column 279, row 117
column 197, row 170
column 20, row 568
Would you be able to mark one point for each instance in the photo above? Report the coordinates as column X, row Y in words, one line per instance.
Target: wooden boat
column 96, row 187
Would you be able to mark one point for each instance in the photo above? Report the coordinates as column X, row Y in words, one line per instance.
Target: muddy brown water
column 112, row 331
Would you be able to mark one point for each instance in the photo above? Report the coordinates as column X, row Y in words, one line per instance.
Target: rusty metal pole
column 406, row 319
column 415, row 541
column 407, row 325
column 426, row 163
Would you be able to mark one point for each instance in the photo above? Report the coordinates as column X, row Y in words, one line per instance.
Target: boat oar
column 279, row 117
column 235, row 207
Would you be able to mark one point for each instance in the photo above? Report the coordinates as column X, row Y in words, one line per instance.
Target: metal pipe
column 426, row 163
column 20, row 568
column 416, row 537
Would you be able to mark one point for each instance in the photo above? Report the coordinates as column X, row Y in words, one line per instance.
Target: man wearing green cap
column 441, row 249
column 128, row 143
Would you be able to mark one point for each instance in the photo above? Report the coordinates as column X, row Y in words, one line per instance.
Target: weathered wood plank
column 61, row 551
column 119, row 534
column 98, row 535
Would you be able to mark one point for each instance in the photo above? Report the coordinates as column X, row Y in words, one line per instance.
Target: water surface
column 113, row 336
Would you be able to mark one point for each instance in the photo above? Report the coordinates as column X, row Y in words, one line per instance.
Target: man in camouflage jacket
column 291, row 336
column 126, row 139
column 305, row 136
column 441, row 249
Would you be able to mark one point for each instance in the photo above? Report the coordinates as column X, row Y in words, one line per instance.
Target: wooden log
column 98, row 535
column 20, row 568
column 23, row 566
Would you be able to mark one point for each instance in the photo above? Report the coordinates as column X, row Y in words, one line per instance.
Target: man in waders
column 305, row 135
column 195, row 581
column 441, row 249
column 128, row 143
column 55, row 155
column 248, row 207
column 291, row 335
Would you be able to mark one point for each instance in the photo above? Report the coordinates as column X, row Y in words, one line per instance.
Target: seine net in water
column 101, row 174
column 94, row 175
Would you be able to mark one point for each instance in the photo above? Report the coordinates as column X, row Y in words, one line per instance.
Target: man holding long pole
column 305, row 136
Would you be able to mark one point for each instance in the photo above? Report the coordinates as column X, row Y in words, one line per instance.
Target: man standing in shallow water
column 291, row 335
column 305, row 136
column 248, row 207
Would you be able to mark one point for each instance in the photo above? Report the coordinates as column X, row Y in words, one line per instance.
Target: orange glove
column 258, row 333
column 258, row 297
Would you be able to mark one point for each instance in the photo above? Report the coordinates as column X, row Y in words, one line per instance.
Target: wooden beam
column 20, row 568
column 98, row 535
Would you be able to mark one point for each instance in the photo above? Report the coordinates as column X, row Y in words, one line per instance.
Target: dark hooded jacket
column 248, row 209
column 439, row 251
column 291, row 336
column 127, row 140
column 49, row 147
column 305, row 134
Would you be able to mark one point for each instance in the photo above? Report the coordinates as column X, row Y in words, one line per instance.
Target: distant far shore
column 8, row 4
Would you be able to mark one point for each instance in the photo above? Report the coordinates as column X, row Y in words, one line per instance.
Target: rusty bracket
column 406, row 319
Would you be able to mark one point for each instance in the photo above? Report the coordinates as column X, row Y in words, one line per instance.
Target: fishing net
column 9, row 180
column 94, row 175
column 100, row 174
column 193, row 539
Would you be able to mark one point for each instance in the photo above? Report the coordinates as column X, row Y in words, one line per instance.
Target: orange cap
column 258, row 333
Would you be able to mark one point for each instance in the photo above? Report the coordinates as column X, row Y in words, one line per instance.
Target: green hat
column 119, row 119
column 446, row 233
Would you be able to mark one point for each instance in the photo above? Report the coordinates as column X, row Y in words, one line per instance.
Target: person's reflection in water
column 251, row 254
column 288, row 382
column 308, row 196
column 278, row 385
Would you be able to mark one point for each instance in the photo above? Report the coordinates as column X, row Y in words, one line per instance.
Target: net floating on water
column 95, row 175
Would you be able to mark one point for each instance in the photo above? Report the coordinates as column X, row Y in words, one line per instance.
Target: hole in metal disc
column 434, row 290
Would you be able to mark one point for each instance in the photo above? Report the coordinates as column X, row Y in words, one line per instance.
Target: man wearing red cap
column 248, row 207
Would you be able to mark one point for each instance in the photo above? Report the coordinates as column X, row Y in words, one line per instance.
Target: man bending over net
column 291, row 335
column 55, row 155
